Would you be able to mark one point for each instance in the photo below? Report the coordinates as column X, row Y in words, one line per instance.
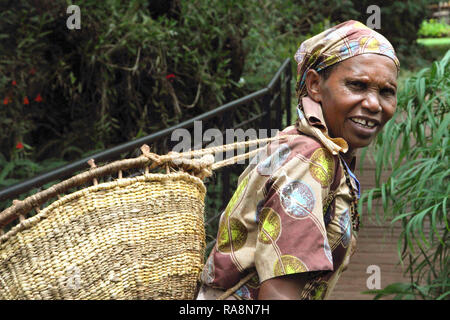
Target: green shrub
column 133, row 68
column 126, row 73
column 434, row 29
column 139, row 66
column 400, row 22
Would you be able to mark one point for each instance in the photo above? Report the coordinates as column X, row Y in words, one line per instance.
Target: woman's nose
column 372, row 103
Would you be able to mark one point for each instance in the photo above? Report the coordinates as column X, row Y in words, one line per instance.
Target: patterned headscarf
column 334, row 45
column 346, row 40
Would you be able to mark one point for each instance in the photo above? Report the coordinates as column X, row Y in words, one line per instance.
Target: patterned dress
column 289, row 214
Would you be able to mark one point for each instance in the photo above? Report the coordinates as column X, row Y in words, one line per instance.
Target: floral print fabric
column 289, row 214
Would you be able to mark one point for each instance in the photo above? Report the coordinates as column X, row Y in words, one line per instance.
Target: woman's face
column 358, row 98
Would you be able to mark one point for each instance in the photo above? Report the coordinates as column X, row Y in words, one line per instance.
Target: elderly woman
column 291, row 225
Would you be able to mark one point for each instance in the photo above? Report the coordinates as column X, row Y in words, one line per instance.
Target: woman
column 291, row 218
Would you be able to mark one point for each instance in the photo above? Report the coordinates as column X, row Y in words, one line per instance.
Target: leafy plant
column 434, row 29
column 414, row 146
column 133, row 68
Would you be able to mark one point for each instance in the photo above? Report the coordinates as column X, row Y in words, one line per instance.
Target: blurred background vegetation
column 138, row 66
column 414, row 148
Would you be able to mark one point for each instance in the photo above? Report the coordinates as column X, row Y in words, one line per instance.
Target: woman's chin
column 354, row 144
column 358, row 137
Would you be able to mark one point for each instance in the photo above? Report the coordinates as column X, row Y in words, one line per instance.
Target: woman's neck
column 348, row 156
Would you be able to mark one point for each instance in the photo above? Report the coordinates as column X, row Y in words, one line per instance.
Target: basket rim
column 201, row 168
column 147, row 160
column 120, row 182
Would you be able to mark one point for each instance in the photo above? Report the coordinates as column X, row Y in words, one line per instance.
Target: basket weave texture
column 132, row 238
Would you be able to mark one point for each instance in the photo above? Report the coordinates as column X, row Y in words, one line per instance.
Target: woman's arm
column 286, row 287
column 289, row 287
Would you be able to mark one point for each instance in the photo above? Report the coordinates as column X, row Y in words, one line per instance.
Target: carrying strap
column 202, row 167
column 184, row 159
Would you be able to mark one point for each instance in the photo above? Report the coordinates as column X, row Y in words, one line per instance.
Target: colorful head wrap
column 346, row 40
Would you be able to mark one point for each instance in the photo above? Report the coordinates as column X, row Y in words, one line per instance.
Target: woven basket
column 132, row 238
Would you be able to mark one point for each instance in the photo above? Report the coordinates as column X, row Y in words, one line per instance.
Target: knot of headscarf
column 343, row 41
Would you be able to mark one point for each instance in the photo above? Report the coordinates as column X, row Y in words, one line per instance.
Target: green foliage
column 400, row 22
column 404, row 291
column 434, row 29
column 276, row 30
column 414, row 145
column 128, row 71
column 140, row 66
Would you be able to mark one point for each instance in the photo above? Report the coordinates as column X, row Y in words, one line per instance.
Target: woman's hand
column 286, row 287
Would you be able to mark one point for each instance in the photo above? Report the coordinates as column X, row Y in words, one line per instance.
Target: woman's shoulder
column 294, row 156
column 307, row 152
column 302, row 144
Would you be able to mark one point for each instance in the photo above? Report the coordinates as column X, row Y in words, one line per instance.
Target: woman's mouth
column 364, row 123
column 364, row 127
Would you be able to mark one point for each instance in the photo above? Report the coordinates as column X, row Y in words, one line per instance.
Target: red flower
column 32, row 71
column 5, row 101
column 170, row 77
column 19, row 145
column 38, row 98
column 14, row 83
column 26, row 101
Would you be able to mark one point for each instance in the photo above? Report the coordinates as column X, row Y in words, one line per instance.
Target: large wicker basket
column 139, row 237
column 131, row 238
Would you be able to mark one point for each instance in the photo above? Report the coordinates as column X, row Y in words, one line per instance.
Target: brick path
column 377, row 245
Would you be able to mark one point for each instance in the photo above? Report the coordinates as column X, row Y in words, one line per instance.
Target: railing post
column 226, row 171
column 266, row 109
column 278, row 104
column 287, row 82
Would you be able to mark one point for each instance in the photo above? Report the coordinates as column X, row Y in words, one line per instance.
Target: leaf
column 6, row 170
column 442, row 296
column 399, row 288
column 416, row 222
column 402, row 216
column 420, row 87
column 433, row 224
column 8, row 182
column 384, row 198
column 443, row 129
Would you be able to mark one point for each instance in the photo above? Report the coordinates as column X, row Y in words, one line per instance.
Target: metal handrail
column 111, row 153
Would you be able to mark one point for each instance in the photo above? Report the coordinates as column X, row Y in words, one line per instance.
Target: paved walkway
column 377, row 246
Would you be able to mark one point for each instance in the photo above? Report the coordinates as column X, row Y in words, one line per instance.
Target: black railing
column 271, row 101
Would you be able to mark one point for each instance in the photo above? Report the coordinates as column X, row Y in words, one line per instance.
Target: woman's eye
column 388, row 92
column 358, row 85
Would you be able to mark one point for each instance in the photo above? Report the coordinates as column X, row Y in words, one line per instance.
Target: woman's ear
column 313, row 85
